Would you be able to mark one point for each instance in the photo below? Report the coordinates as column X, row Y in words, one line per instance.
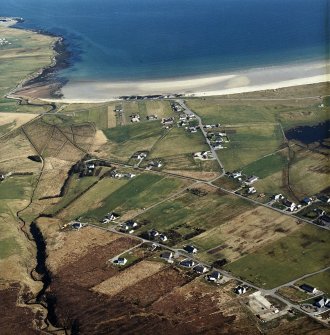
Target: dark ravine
column 46, row 278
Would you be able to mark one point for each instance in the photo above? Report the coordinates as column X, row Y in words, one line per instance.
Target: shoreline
column 45, row 79
column 46, row 85
column 257, row 79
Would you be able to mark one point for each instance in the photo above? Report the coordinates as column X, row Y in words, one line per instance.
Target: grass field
column 8, row 247
column 244, row 234
column 189, row 213
column 267, row 165
column 27, row 53
column 124, row 141
column 142, row 191
column 179, row 142
column 144, row 108
column 313, row 165
column 93, row 198
column 75, row 187
column 250, row 108
column 248, row 144
column 16, row 187
column 301, row 252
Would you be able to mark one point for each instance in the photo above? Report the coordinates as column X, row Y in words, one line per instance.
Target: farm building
column 308, row 288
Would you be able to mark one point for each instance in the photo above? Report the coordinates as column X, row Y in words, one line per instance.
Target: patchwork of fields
column 62, row 165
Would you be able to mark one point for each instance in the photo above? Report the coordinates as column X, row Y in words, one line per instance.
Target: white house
column 278, row 196
column 251, row 180
column 120, row 261
column 252, row 190
column 322, row 302
column 162, row 237
column 241, row 289
column 214, row 276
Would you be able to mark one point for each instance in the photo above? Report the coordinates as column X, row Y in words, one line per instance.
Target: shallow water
column 148, row 39
column 310, row 134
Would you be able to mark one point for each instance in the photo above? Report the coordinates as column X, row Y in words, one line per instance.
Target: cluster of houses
column 188, row 263
column 153, row 235
column 135, row 118
column 4, row 41
column 240, row 289
column 184, row 121
column 322, row 302
column 112, row 216
column 238, row 175
column 198, row 268
column 292, row 206
column 154, row 164
column 203, row 155
column 128, row 227
column 176, row 107
column 140, row 155
column 168, row 122
column 119, row 175
column 87, row 169
column 217, row 138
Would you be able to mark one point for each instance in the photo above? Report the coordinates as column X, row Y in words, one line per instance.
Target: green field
column 248, row 144
column 75, row 187
column 179, row 142
column 291, row 257
column 27, row 53
column 289, row 112
column 141, row 191
column 188, row 213
column 313, row 165
column 266, row 166
column 124, row 141
column 8, row 247
column 16, row 187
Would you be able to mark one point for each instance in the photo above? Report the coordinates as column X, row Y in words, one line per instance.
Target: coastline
column 258, row 79
column 45, row 82
column 46, row 85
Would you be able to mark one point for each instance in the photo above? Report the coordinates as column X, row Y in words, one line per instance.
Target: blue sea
column 153, row 39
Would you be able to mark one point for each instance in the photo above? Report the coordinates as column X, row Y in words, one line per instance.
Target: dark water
column 310, row 134
column 144, row 39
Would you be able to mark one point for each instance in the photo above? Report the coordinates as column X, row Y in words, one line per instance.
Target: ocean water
column 152, row 39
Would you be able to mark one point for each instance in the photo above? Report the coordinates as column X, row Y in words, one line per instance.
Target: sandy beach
column 230, row 83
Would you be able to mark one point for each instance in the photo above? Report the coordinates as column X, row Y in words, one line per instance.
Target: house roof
column 166, row 254
column 307, row 287
column 190, row 248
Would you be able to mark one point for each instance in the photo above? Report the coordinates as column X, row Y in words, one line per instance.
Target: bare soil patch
column 128, row 277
